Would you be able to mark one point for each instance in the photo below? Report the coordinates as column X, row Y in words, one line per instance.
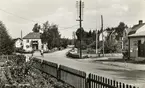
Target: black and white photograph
column 72, row 43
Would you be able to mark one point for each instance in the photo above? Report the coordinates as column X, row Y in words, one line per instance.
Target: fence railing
column 71, row 76
column 95, row 81
column 77, row 78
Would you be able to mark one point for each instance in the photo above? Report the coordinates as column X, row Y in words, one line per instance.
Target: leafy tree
column 111, row 44
column 50, row 35
column 36, row 28
column 46, row 25
column 119, row 30
column 78, row 33
column 6, row 43
column 64, row 42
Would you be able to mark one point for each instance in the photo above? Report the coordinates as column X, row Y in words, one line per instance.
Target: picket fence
column 76, row 78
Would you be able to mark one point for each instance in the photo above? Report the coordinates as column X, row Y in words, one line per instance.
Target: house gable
column 136, row 27
column 32, row 35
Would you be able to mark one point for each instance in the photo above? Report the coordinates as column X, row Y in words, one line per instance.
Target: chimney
column 140, row 21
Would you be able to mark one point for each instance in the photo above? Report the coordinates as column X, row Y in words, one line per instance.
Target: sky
column 20, row 15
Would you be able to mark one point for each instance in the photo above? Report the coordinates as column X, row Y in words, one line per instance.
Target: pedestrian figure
column 41, row 51
column 32, row 52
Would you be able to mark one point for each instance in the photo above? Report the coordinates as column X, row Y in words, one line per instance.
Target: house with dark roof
column 137, row 41
column 137, row 28
column 32, row 41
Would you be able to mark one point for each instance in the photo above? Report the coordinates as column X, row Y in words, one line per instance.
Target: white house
column 32, row 41
column 18, row 43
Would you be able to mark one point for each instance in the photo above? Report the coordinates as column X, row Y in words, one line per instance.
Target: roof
column 135, row 28
column 140, row 34
column 32, row 35
column 17, row 39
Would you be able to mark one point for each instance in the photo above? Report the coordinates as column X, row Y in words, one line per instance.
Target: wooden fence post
column 127, row 86
column 120, row 86
column 94, row 82
column 86, row 83
column 89, row 82
column 106, row 82
column 97, row 83
column 111, row 83
column 117, row 84
column 123, row 85
column 114, row 83
column 103, row 82
column 58, row 74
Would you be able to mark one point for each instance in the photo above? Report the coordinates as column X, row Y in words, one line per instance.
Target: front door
column 35, row 45
column 141, row 49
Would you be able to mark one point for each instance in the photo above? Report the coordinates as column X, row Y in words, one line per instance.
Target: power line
column 69, row 27
column 19, row 16
column 63, row 28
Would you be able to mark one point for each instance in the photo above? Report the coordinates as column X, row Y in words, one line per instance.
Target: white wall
column 30, row 47
column 18, row 43
column 25, row 44
column 134, row 46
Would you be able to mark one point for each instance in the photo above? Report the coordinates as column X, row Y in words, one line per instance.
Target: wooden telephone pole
column 21, row 34
column 96, row 41
column 80, row 6
column 102, row 33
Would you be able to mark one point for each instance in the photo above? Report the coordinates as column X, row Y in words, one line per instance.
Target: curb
column 126, row 65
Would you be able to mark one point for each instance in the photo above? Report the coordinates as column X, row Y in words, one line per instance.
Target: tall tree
column 119, row 30
column 46, row 25
column 36, row 28
column 6, row 43
column 51, row 36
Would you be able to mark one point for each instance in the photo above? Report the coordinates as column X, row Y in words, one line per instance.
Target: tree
column 119, row 30
column 46, row 25
column 6, row 43
column 51, row 36
column 64, row 42
column 111, row 44
column 78, row 33
column 36, row 28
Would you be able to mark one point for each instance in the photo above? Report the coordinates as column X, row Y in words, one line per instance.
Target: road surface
column 129, row 76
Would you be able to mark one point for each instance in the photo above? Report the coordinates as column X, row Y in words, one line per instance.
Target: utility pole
column 21, row 34
column 96, row 41
column 102, row 33
column 81, row 6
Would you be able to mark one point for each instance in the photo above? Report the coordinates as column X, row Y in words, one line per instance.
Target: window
column 27, row 40
column 27, row 46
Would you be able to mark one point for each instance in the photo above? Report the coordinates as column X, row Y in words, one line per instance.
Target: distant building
column 18, row 43
column 32, row 41
column 137, row 41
